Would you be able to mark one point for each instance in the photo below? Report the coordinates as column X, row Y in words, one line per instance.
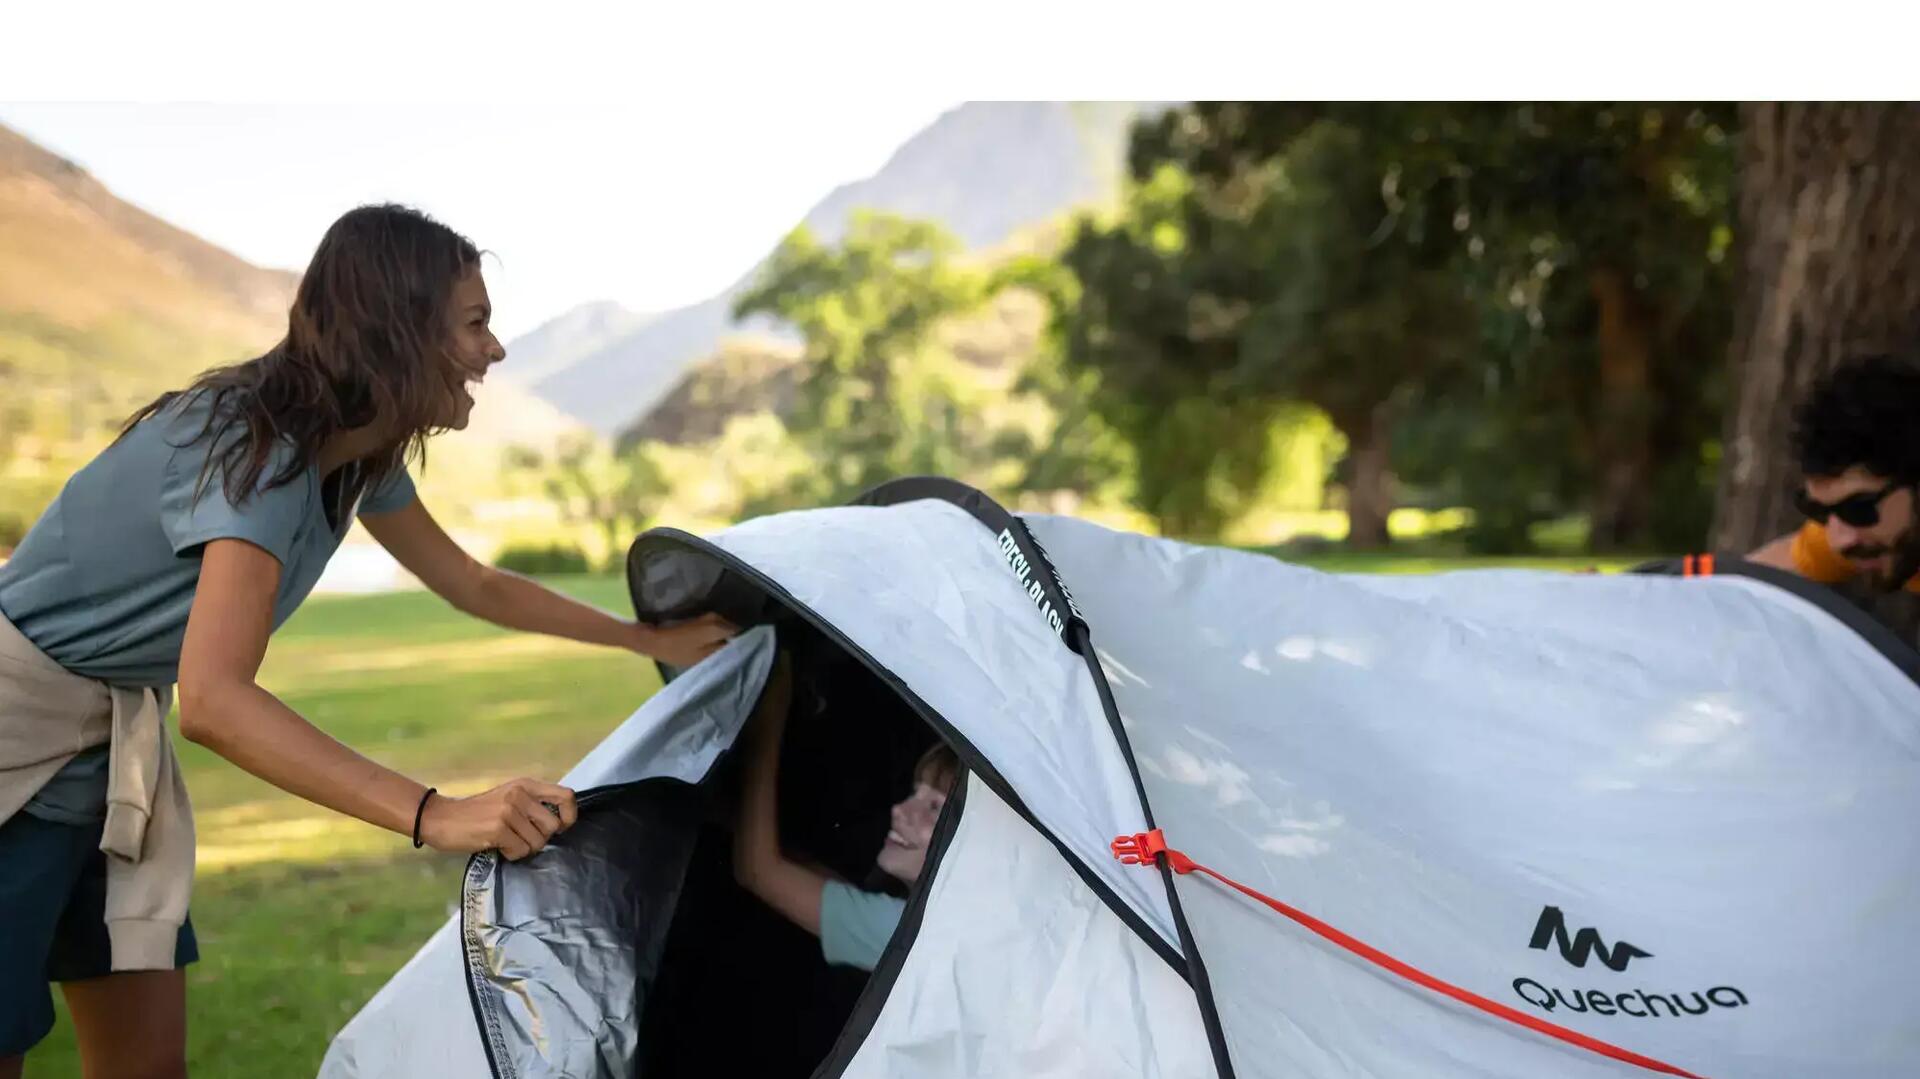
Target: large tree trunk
column 1369, row 476
column 1623, row 443
column 1830, row 227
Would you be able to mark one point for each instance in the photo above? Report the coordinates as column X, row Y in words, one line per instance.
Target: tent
column 1490, row 823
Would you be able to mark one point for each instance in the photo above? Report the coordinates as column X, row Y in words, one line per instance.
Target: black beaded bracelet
column 419, row 813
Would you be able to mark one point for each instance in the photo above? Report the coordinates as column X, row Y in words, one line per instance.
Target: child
column 853, row 924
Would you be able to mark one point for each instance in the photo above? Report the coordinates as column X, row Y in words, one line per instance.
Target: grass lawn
column 302, row 915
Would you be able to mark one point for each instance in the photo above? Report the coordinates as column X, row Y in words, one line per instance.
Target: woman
column 170, row 559
column 853, row 924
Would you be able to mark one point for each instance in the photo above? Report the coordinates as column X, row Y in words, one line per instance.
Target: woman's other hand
column 517, row 818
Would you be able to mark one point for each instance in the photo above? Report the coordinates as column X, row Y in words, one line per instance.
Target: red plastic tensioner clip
column 1144, row 848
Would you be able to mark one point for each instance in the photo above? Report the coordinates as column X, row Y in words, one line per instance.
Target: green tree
column 594, row 486
column 1155, row 363
column 1286, row 277
column 870, row 405
column 1617, row 217
column 1592, row 236
column 1356, row 313
column 1079, row 452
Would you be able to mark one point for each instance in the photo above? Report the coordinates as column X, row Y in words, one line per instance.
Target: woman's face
column 904, row 853
column 471, row 346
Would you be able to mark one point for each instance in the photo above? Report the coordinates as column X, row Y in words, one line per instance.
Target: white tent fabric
column 1019, row 969
column 1581, row 797
column 1712, row 769
column 925, row 590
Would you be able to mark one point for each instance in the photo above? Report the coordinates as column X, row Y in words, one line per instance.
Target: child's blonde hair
column 938, row 767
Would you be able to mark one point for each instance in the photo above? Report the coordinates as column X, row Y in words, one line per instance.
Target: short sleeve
column 194, row 514
column 394, row 493
column 855, row 925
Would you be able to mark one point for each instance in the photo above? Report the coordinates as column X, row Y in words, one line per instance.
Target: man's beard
column 1905, row 564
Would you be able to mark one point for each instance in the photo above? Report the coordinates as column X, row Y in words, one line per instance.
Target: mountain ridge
column 103, row 306
column 982, row 170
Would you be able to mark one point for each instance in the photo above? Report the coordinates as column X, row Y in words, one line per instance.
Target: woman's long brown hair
column 366, row 342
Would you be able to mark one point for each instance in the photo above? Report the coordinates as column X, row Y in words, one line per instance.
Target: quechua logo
column 1552, row 929
column 1579, row 946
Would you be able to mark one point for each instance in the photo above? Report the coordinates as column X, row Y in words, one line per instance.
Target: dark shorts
column 53, row 901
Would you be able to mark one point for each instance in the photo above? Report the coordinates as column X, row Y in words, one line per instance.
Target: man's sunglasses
column 1860, row 511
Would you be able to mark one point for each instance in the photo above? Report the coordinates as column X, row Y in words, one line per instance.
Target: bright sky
column 652, row 205
column 719, row 123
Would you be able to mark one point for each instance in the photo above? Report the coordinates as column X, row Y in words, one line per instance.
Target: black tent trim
column 1027, row 560
column 1032, row 565
column 1883, row 640
column 866, row 1011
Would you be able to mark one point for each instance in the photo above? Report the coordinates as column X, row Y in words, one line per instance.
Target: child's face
column 904, row 853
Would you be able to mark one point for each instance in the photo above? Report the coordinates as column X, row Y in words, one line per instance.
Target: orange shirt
column 1815, row 559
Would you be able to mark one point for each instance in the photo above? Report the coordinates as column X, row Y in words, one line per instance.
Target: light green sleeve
column 855, row 925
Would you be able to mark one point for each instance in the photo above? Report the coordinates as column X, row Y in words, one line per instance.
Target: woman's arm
column 758, row 862
column 223, row 708
column 418, row 542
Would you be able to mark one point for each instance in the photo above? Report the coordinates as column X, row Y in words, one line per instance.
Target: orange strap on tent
column 1146, row 848
column 1697, row 565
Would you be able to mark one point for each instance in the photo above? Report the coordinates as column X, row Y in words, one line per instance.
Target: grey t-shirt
column 104, row 581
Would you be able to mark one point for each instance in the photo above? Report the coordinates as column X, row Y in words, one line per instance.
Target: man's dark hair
column 1865, row 412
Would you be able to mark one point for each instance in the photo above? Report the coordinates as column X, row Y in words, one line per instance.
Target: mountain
column 626, row 375
column 987, row 169
column 78, row 255
column 103, row 306
column 984, row 171
column 560, row 342
column 747, row 374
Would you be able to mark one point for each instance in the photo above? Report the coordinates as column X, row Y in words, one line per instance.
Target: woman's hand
column 682, row 644
column 517, row 818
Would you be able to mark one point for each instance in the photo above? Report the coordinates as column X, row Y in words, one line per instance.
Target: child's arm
column 758, row 863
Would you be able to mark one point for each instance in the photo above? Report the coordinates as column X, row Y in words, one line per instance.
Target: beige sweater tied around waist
column 47, row 715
